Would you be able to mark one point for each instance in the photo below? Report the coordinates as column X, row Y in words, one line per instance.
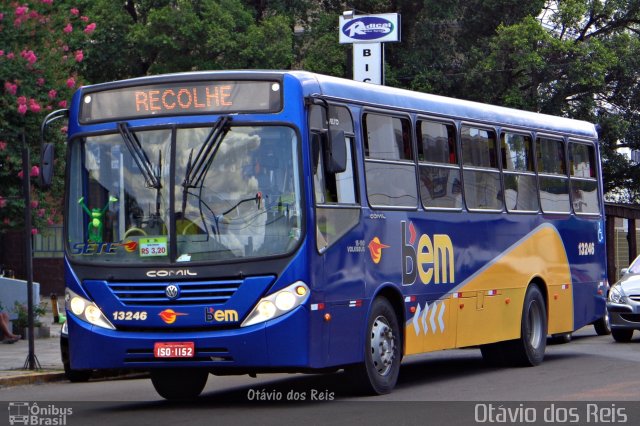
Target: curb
column 40, row 377
column 31, row 378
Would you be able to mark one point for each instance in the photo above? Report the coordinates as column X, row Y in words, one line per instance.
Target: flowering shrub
column 42, row 48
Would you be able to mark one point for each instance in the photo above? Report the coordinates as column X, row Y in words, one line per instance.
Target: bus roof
column 376, row 96
column 394, row 98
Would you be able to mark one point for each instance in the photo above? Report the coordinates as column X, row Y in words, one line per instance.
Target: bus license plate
column 173, row 350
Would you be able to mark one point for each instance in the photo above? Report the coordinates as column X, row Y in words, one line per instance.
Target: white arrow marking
column 440, row 321
column 425, row 327
column 432, row 319
column 416, row 325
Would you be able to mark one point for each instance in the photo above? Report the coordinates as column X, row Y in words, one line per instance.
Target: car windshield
column 634, row 268
column 236, row 194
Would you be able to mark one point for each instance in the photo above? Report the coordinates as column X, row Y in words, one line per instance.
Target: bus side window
column 584, row 183
column 389, row 167
column 440, row 183
column 552, row 176
column 482, row 187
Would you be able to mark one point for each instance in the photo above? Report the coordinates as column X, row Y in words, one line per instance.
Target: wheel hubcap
column 382, row 346
column 534, row 323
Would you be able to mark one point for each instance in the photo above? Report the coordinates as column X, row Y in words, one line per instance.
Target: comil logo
column 367, row 28
column 432, row 259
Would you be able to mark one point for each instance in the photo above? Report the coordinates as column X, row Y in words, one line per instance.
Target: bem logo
column 431, row 259
column 219, row 315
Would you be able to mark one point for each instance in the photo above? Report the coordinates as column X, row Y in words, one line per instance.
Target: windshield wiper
column 151, row 178
column 197, row 169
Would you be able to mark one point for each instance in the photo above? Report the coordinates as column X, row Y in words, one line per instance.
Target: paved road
column 591, row 376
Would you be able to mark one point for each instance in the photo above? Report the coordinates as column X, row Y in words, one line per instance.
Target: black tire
column 378, row 374
column 528, row 350
column 560, row 339
column 179, row 384
column 623, row 335
column 76, row 376
column 603, row 326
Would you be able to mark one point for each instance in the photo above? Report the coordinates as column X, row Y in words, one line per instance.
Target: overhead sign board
column 379, row 28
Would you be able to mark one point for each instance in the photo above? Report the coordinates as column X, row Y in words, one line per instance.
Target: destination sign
column 195, row 97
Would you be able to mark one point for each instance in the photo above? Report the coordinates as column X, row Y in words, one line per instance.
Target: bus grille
column 191, row 293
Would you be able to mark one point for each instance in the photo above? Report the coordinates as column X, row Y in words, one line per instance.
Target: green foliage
column 22, row 320
column 41, row 53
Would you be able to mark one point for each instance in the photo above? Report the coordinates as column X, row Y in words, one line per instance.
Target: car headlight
column 86, row 310
column 616, row 295
column 278, row 303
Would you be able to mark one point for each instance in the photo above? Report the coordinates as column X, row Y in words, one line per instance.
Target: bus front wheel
column 378, row 373
column 179, row 384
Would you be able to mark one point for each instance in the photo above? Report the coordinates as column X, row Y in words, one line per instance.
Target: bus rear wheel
column 528, row 350
column 179, row 384
column 379, row 372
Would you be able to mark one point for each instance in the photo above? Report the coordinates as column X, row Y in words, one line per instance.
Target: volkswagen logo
column 172, row 291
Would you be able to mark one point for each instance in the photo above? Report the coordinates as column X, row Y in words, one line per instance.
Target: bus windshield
column 236, row 194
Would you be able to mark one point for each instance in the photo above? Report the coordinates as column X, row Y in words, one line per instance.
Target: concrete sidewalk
column 14, row 356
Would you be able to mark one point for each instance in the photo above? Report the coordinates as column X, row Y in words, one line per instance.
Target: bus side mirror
column 335, row 153
column 46, row 164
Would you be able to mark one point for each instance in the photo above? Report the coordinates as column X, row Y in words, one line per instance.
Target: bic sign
column 367, row 62
column 431, row 260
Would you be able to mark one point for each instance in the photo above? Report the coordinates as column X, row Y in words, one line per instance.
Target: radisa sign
column 370, row 28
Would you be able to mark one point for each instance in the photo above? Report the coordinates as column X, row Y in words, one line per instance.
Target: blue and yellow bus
column 245, row 222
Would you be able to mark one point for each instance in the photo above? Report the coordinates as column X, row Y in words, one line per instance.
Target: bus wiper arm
column 152, row 180
column 197, row 169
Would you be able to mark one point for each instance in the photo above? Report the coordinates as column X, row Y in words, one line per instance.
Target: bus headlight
column 278, row 303
column 86, row 310
column 616, row 295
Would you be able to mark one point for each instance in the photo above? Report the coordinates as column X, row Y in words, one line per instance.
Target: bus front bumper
column 278, row 344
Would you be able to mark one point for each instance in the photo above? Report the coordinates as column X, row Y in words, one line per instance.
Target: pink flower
column 3, row 202
column 22, row 109
column 21, row 10
column 3, row 145
column 74, row 11
column 67, row 29
column 50, row 221
column 35, row 172
column 29, row 56
column 34, row 106
column 1, row 16
column 47, row 1
column 10, row 88
column 71, row 82
column 20, row 174
column 22, row 100
column 34, row 204
column 62, row 104
column 53, row 93
column 10, row 55
column 79, row 56
column 90, row 28
column 41, row 212
column 6, row 221
column 40, row 82
column 34, row 231
column 1, row 52
column 64, row 130
column 84, row 18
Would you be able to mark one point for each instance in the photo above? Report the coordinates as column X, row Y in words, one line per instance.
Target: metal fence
column 49, row 243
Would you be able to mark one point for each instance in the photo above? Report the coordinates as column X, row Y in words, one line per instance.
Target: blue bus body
column 454, row 277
